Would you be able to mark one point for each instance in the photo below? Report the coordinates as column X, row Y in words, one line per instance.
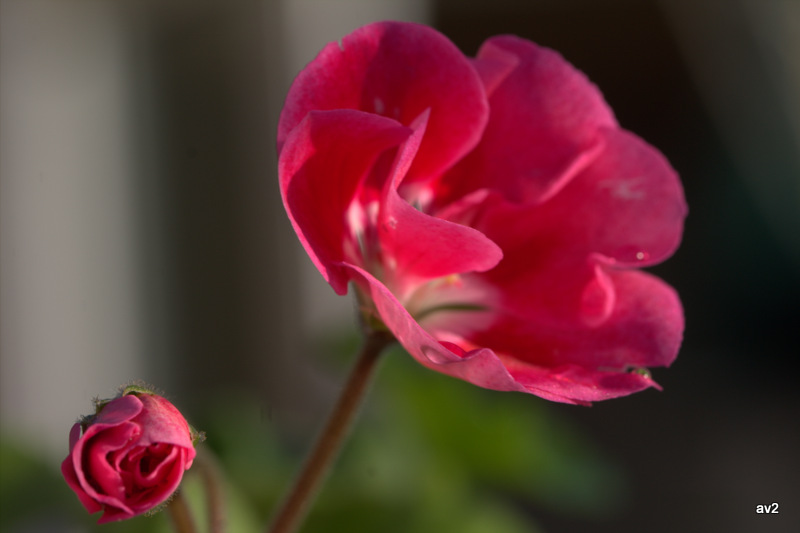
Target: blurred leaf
column 505, row 441
column 239, row 514
column 29, row 486
column 254, row 458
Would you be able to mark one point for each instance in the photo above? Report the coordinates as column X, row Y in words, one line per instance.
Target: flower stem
column 212, row 482
column 179, row 513
column 290, row 514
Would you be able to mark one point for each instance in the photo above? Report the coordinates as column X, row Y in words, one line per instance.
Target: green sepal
column 138, row 387
column 197, row 436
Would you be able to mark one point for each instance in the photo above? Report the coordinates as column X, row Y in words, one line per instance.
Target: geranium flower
column 490, row 212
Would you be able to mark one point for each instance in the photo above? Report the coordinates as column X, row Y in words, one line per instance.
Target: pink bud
column 130, row 457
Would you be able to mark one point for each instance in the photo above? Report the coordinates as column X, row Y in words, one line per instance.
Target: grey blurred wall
column 142, row 234
column 70, row 290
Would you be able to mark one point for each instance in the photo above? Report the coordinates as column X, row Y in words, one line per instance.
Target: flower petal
column 106, row 485
column 481, row 367
column 643, row 329
column 162, row 424
column 324, row 161
column 115, row 412
column 494, row 67
column 576, row 384
column 161, row 481
column 419, row 245
column 627, row 205
column 99, row 448
column 70, row 473
column 399, row 70
column 625, row 209
column 542, row 130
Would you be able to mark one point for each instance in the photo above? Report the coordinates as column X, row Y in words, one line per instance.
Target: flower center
column 447, row 298
column 461, row 298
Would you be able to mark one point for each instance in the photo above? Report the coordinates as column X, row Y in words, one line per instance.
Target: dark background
column 723, row 435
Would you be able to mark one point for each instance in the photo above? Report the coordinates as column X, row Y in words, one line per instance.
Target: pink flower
column 130, row 457
column 490, row 212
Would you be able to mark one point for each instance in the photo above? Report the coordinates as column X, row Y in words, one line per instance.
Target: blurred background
column 142, row 236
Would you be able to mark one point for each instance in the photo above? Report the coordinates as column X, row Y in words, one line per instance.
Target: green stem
column 294, row 507
column 179, row 513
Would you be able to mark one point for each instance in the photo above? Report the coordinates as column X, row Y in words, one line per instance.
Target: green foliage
column 510, row 443
column 30, row 488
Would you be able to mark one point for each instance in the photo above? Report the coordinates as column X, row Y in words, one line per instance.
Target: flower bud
column 130, row 456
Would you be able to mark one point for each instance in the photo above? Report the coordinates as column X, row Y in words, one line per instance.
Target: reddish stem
column 293, row 510
column 179, row 512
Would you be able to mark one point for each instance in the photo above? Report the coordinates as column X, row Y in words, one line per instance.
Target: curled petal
column 481, row 367
column 446, row 248
column 160, row 459
column 325, row 160
column 565, row 383
column 98, row 477
column 116, row 413
column 576, row 384
column 110, row 489
column 161, row 481
column 70, row 473
column 113, row 413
